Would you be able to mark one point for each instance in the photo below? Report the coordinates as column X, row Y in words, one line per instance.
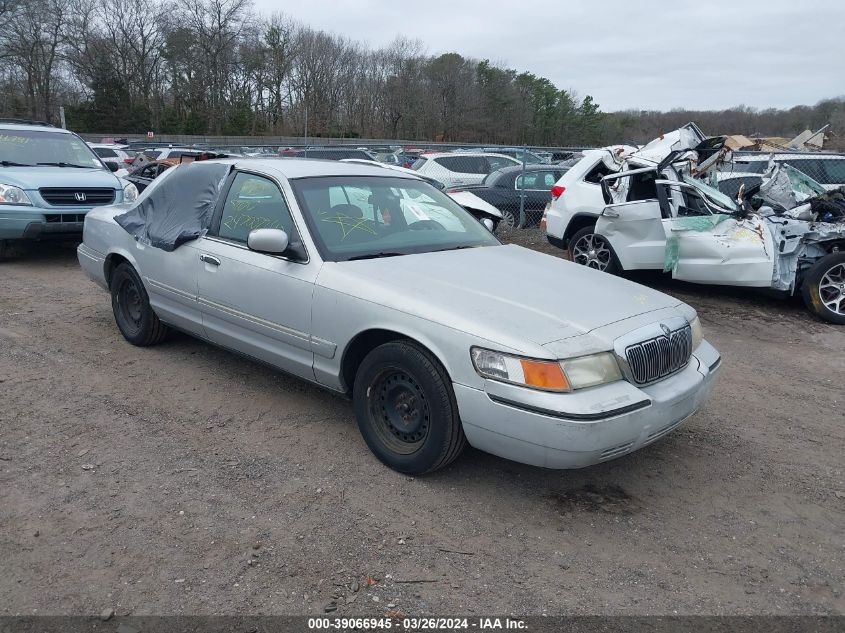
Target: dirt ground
column 185, row 479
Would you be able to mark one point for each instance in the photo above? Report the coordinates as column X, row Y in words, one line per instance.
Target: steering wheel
column 426, row 225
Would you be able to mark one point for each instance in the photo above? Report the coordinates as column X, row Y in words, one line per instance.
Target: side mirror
column 274, row 241
column 113, row 167
column 488, row 223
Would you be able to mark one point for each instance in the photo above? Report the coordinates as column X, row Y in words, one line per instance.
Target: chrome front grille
column 77, row 196
column 659, row 357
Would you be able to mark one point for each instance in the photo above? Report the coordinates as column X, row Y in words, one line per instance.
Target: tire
column 509, row 220
column 590, row 249
column 823, row 288
column 406, row 409
column 133, row 314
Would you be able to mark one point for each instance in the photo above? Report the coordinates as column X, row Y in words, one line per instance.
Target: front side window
column 41, row 147
column 254, row 202
column 355, row 217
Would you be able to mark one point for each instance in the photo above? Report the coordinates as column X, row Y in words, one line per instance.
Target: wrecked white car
column 788, row 235
column 577, row 197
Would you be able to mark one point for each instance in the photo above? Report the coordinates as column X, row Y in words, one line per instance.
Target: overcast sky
column 626, row 54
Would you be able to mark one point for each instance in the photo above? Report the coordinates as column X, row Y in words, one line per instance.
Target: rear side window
column 464, row 164
column 497, row 162
column 597, row 173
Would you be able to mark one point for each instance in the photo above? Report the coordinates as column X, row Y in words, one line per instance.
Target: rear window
column 104, row 152
column 464, row 164
column 823, row 171
column 334, row 154
column 419, row 163
column 750, row 166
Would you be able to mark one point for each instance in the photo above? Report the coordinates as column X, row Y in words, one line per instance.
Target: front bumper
column 579, row 429
column 33, row 223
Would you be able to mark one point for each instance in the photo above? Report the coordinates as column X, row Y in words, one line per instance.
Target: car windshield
column 31, row 147
column 357, row 217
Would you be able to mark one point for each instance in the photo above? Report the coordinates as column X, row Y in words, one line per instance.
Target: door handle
column 208, row 259
column 610, row 214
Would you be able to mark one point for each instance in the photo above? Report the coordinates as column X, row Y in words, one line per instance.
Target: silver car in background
column 441, row 335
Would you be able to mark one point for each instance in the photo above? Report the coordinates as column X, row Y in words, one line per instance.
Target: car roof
column 529, row 167
column 464, row 154
column 33, row 127
column 310, row 167
column 766, row 156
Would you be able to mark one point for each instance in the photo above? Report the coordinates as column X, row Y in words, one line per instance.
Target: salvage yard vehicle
column 286, row 262
column 505, row 187
column 701, row 235
column 577, row 198
column 49, row 180
column 461, row 168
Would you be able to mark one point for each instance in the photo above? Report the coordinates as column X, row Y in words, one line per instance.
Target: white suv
column 461, row 168
column 577, row 198
column 115, row 154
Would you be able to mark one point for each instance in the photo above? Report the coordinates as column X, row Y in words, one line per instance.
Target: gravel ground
column 185, row 479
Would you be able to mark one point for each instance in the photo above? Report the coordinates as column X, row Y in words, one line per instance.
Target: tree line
column 216, row 67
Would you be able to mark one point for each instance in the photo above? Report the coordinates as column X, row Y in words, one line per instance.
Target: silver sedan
column 379, row 286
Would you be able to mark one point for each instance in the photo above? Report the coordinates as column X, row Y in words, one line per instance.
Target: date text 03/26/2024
column 417, row 624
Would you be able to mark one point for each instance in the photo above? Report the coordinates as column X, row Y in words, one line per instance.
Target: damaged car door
column 257, row 301
column 708, row 243
column 633, row 228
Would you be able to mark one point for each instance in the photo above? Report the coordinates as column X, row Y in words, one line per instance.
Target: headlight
column 566, row 375
column 697, row 333
column 9, row 194
column 589, row 371
column 537, row 374
column 130, row 193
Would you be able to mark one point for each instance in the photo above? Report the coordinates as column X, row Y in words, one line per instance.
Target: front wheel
column 592, row 250
column 823, row 289
column 133, row 314
column 406, row 409
column 509, row 219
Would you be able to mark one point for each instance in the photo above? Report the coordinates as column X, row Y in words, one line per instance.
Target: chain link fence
column 517, row 181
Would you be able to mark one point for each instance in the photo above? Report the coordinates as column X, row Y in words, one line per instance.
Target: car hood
column 506, row 294
column 32, row 178
column 472, row 202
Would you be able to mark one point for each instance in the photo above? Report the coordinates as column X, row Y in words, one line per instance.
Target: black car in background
column 505, row 187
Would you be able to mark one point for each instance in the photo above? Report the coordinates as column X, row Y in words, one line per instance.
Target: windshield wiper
column 453, row 248
column 61, row 164
column 375, row 255
column 11, row 163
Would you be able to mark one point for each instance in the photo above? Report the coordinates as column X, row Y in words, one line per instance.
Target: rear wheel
column 590, row 249
column 133, row 314
column 406, row 409
column 823, row 289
